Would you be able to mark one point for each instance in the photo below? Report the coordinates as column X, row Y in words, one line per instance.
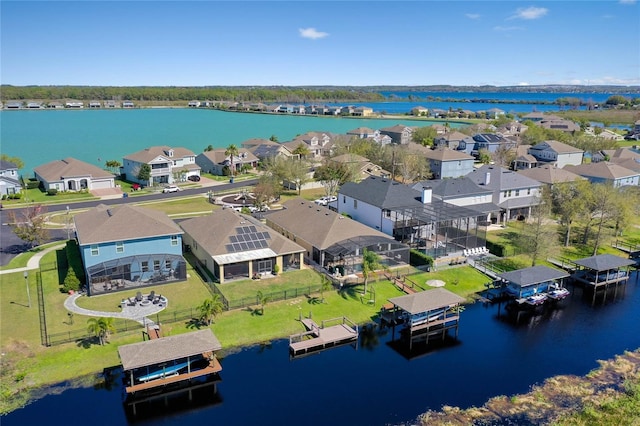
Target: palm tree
column 232, row 150
column 302, row 151
column 370, row 262
column 210, row 308
column 325, row 286
column 263, row 299
column 100, row 328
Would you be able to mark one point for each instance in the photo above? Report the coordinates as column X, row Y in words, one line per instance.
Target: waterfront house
column 413, row 216
column 331, row 240
column 270, row 150
column 524, row 283
column 419, row 111
column 95, row 104
column 74, row 104
column 451, row 140
column 320, row 144
column 111, row 104
column 362, row 111
column 55, row 105
column 556, row 153
column 607, row 173
column 168, row 165
column 9, row 183
column 237, row 246
column 362, row 132
column 360, row 166
column 217, row 161
column 127, row 104
column 70, row 174
column 494, row 113
column 537, row 117
column 250, row 143
column 448, row 163
column 399, row 134
column 561, row 124
column 14, row 105
column 193, row 104
column 34, row 105
column 514, row 193
column 125, row 247
column 464, row 192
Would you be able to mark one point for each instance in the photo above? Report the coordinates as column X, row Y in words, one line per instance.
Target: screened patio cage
column 440, row 229
column 345, row 257
column 135, row 271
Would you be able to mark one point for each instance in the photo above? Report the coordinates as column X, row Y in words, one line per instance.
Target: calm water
column 379, row 382
column 96, row 136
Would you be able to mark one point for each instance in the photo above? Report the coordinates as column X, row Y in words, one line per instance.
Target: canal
column 378, row 382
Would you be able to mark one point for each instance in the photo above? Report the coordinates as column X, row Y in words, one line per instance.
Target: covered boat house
column 601, row 271
column 428, row 313
column 157, row 363
column 534, row 285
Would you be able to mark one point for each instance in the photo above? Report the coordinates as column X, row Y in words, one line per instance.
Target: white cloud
column 312, row 33
column 523, row 83
column 530, row 13
column 472, row 15
column 627, row 1
column 507, row 29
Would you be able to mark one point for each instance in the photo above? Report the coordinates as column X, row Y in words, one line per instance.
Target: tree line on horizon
column 169, row 94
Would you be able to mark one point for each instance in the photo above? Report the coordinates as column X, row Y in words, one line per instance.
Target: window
column 509, row 193
column 517, row 192
column 119, row 247
column 145, row 266
column 528, row 191
column 505, row 194
column 174, row 240
column 95, row 251
column 355, row 204
column 156, row 265
column 344, row 199
column 167, row 264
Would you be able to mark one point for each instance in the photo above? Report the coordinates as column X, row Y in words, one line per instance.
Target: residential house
column 319, row 144
column 55, row 105
column 362, row 111
column 452, row 140
column 566, row 126
column 550, row 175
column 250, row 143
column 14, row 105
column 168, row 165
column 95, row 104
column 270, row 150
column 490, row 142
column 514, row 193
column 360, row 166
column 125, row 247
column 523, row 160
column 9, row 179
column 73, row 175
column 362, row 132
column 236, row 246
column 494, row 113
column 217, row 161
column 448, row 163
column 332, row 240
column 536, row 117
column 34, row 105
column 74, row 104
column 557, row 153
column 413, row 216
column 399, row 134
column 625, row 157
column 193, row 104
column 111, row 104
column 463, row 192
column 284, row 109
column 419, row 111
column 606, row 172
column 128, row 104
column 513, row 128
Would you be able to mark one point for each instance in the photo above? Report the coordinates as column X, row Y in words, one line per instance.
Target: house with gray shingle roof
column 320, row 144
column 264, row 151
column 332, row 240
column 523, row 159
column 550, row 175
column 73, row 175
column 413, row 215
column 237, row 246
column 451, row 140
column 557, row 153
column 606, row 172
column 399, row 133
column 463, row 192
column 360, row 166
column 514, row 193
column 9, row 183
column 449, row 163
column 168, row 165
column 125, row 247
column 215, row 161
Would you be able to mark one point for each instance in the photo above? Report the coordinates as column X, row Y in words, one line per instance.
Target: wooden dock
column 213, row 367
column 322, row 336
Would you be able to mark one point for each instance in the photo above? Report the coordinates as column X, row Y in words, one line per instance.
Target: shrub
column 4, row 197
column 71, row 282
column 15, row 196
column 33, row 184
column 418, row 258
column 496, row 249
column 52, row 191
column 276, row 269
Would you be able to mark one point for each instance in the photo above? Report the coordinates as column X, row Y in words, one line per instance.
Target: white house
column 168, row 165
column 556, row 152
column 73, row 175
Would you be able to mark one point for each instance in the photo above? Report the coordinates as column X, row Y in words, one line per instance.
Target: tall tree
column 15, row 160
column 332, row 175
column 539, row 236
column 370, row 262
column 296, row 172
column 29, row 226
column 231, row 151
column 302, row 151
column 113, row 166
column 100, row 328
column 568, row 201
column 605, row 208
column 144, row 174
column 424, row 135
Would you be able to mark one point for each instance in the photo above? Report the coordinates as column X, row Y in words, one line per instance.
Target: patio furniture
column 139, row 297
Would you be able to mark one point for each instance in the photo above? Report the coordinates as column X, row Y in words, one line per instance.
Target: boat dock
column 322, row 336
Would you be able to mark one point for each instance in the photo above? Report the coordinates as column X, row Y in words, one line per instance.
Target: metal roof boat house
column 601, row 271
column 429, row 313
column 155, row 364
column 534, row 286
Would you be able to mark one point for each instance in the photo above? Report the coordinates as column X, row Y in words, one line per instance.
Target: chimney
column 487, row 178
column 426, row 194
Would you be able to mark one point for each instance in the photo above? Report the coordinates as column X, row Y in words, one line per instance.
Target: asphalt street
column 11, row 245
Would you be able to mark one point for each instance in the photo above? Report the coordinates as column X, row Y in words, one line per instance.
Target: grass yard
column 182, row 206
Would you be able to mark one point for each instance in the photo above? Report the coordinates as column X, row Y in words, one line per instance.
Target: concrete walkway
column 34, row 262
column 136, row 313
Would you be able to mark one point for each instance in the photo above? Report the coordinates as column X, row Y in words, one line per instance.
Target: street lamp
column 26, row 283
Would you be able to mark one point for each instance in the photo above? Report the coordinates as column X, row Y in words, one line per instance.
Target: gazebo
column 602, row 271
column 528, row 282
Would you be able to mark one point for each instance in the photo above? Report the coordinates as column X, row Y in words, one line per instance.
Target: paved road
column 11, row 245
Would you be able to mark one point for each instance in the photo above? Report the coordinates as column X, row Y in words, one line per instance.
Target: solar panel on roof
column 244, row 246
column 251, row 245
column 239, row 230
column 253, row 228
column 237, row 247
column 233, row 239
column 229, row 248
column 246, row 229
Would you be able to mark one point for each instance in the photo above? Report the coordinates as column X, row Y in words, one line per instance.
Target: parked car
column 171, row 188
column 323, row 201
column 194, row 178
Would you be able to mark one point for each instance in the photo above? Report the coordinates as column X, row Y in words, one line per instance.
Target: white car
column 171, row 188
column 323, row 201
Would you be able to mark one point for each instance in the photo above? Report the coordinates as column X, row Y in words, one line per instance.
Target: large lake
column 378, row 383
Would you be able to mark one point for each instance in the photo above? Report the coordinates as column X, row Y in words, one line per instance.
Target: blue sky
column 361, row 43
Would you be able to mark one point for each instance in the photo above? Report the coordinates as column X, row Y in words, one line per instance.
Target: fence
column 274, row 296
